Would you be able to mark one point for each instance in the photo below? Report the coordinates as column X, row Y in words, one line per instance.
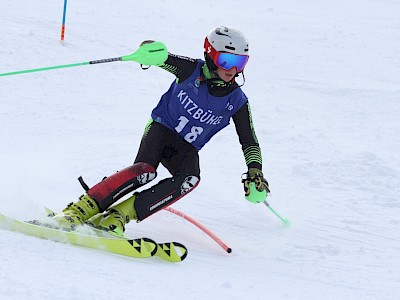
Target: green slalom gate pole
column 152, row 54
column 285, row 221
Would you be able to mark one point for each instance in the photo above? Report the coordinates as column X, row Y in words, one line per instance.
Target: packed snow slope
column 324, row 84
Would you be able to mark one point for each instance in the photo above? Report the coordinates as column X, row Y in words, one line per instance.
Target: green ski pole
column 260, row 197
column 285, row 221
column 152, row 54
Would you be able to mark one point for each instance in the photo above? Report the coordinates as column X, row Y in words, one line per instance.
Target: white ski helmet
column 221, row 43
column 226, row 39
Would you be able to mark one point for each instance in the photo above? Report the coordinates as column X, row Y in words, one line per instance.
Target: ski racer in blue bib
column 192, row 112
column 201, row 101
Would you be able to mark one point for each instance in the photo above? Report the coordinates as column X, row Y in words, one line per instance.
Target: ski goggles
column 227, row 61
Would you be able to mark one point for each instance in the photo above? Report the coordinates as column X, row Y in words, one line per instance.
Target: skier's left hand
column 254, row 175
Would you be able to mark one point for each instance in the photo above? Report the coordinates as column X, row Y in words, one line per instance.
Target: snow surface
column 324, row 85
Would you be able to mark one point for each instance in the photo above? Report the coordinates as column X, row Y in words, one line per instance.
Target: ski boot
column 114, row 220
column 76, row 214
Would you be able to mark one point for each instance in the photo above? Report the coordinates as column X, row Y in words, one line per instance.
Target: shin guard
column 121, row 183
column 163, row 194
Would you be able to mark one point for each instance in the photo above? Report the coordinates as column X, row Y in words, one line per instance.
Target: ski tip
column 229, row 250
column 172, row 252
column 181, row 251
column 151, row 245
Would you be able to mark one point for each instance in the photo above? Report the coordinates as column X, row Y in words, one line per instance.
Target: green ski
column 97, row 239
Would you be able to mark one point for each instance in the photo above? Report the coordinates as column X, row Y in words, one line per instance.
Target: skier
column 199, row 103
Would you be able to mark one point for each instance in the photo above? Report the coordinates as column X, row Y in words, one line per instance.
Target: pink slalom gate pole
column 203, row 228
column 63, row 20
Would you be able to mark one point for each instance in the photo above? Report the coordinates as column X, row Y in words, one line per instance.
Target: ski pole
column 154, row 53
column 202, row 227
column 63, row 20
column 285, row 221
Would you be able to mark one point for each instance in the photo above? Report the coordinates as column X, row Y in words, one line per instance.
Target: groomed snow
column 324, row 84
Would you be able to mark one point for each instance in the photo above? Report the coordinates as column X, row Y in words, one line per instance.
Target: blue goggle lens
column 229, row 60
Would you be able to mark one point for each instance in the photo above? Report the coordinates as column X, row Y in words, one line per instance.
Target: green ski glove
column 256, row 187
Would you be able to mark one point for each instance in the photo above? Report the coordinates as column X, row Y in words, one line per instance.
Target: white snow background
column 324, row 84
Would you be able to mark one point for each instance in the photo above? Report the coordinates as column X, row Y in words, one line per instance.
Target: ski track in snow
column 323, row 81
